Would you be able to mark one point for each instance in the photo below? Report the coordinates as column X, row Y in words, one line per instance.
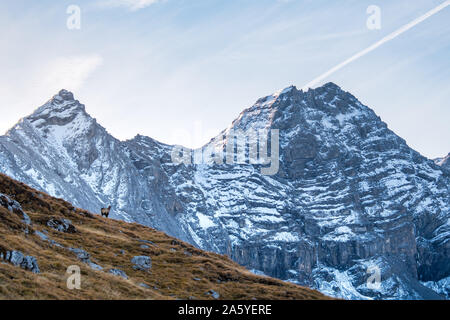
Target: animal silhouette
column 105, row 211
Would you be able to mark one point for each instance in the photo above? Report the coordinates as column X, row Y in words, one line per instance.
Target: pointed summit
column 61, row 105
column 60, row 118
column 64, row 95
column 332, row 86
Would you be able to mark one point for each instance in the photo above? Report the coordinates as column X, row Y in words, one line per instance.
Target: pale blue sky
column 181, row 70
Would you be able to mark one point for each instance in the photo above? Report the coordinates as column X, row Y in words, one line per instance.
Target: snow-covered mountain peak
column 327, row 108
column 61, row 118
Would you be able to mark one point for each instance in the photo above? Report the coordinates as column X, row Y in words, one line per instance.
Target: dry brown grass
column 171, row 277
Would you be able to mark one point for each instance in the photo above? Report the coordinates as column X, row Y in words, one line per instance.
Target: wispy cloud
column 70, row 72
column 132, row 5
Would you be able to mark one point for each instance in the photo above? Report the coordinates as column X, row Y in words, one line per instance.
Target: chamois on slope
column 105, row 211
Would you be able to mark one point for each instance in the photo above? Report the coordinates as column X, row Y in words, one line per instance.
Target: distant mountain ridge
column 349, row 194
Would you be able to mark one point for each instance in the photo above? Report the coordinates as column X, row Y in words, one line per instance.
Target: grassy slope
column 175, row 264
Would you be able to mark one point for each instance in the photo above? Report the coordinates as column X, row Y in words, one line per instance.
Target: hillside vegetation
column 57, row 236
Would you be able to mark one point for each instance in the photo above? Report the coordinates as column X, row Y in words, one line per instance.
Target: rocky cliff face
column 350, row 200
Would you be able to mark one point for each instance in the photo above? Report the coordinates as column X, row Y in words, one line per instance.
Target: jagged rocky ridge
column 349, row 194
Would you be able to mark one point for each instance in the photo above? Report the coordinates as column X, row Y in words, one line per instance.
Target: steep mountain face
column 350, row 200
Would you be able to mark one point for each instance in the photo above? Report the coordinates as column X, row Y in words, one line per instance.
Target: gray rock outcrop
column 118, row 272
column 143, row 263
column 81, row 254
column 14, row 207
column 17, row 258
column 61, row 225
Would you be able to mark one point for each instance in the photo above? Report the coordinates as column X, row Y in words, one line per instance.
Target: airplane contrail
column 388, row 38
